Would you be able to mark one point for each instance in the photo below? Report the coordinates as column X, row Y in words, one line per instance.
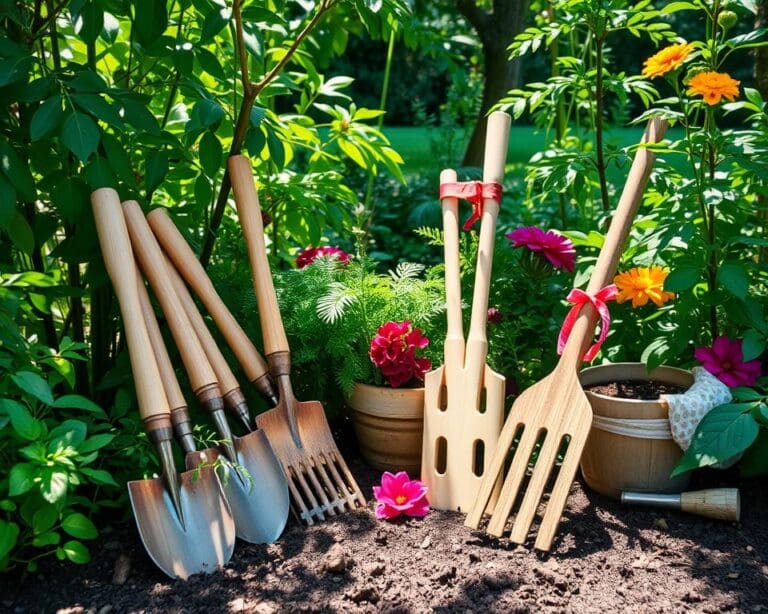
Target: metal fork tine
column 341, row 483
column 321, row 494
column 315, row 509
column 558, row 496
column 349, row 479
column 512, row 482
column 304, row 514
column 496, row 466
column 535, row 489
column 332, row 488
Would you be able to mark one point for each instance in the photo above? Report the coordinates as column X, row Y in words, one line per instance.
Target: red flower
column 725, row 360
column 495, row 316
column 558, row 250
column 310, row 254
column 393, row 350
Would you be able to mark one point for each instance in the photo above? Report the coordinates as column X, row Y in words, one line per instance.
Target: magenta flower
column 725, row 360
column 398, row 494
column 310, row 254
column 393, row 350
column 557, row 249
column 495, row 316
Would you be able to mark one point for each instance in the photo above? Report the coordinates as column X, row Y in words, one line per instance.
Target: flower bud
column 727, row 19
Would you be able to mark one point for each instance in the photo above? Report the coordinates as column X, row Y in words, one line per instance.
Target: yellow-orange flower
column 713, row 86
column 641, row 284
column 667, row 59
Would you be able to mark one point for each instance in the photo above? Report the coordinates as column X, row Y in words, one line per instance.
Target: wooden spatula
column 555, row 412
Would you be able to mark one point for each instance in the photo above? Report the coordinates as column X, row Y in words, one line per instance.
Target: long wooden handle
column 121, row 266
column 227, row 380
column 454, row 339
column 496, row 145
column 610, row 254
column 178, row 250
column 153, row 264
column 249, row 212
column 717, row 503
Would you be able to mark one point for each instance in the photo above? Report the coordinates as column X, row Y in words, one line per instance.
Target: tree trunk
column 761, row 53
column 496, row 30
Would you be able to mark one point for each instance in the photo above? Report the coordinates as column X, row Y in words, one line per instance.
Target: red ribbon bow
column 579, row 298
column 473, row 191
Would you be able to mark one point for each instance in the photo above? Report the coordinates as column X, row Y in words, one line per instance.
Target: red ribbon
column 579, row 298
column 473, row 191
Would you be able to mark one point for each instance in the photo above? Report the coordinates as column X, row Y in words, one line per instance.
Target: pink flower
column 495, row 316
column 398, row 494
column 310, row 254
column 393, row 350
column 725, row 360
column 558, row 250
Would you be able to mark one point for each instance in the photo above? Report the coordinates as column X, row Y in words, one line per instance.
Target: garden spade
column 318, row 478
column 553, row 417
column 184, row 522
column 464, row 398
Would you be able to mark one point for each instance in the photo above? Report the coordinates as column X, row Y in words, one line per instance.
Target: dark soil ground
column 647, row 390
column 607, row 558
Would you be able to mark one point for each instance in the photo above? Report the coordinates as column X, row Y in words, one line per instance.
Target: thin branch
column 53, row 13
column 240, row 40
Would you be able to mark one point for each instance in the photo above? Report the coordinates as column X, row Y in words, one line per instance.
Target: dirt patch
column 646, row 390
column 607, row 558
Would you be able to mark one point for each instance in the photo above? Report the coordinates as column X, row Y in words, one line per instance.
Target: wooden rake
column 554, row 414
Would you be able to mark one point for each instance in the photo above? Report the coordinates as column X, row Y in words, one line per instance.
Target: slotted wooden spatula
column 555, row 411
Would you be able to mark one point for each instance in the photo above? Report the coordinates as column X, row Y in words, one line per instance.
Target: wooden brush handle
column 187, row 264
column 153, row 264
column 717, row 503
column 249, row 212
column 121, row 266
column 454, row 339
column 496, row 145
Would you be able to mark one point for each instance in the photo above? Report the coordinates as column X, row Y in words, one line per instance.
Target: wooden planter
column 389, row 424
column 640, row 461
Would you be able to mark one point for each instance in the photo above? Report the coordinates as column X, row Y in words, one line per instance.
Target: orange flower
column 641, row 284
column 713, row 86
column 669, row 58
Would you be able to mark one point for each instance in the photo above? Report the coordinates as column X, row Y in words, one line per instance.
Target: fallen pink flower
column 398, row 494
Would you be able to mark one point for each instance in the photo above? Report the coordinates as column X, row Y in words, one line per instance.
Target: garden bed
column 607, row 558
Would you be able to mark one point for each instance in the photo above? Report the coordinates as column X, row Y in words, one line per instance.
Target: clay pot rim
column 612, row 365
column 374, row 387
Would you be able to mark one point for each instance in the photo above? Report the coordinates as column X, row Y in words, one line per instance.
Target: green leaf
column 90, row 22
column 22, row 421
column 755, row 459
column 118, row 158
column 17, row 172
column 99, row 174
column 9, row 533
column 257, row 115
column 47, row 539
column 71, row 196
column 45, row 517
column 98, row 476
column 74, row 550
column 75, row 401
column 206, row 113
column 53, row 485
column 203, row 191
column 80, row 135
column 21, row 479
column 47, row 118
column 7, row 201
column 95, row 443
column 682, row 278
column 79, row 526
column 68, row 433
column 733, row 277
column 210, row 152
column 150, row 21
column 753, row 345
column 157, row 168
column 214, row 22
column 32, row 383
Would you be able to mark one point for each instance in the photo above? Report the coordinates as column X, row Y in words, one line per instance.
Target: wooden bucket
column 389, row 424
column 643, row 456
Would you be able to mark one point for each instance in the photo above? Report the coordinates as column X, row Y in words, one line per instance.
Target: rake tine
column 559, row 494
column 488, row 483
column 316, row 509
column 512, row 482
column 333, row 488
column 350, row 480
column 304, row 514
column 326, row 503
column 343, row 485
column 535, row 489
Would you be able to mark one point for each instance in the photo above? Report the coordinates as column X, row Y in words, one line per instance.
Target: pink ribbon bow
column 473, row 191
column 579, row 298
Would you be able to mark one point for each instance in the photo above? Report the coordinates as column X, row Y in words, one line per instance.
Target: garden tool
column 261, row 504
column 191, row 270
column 201, row 375
column 184, row 522
column 555, row 413
column 716, row 503
column 464, row 398
column 318, row 478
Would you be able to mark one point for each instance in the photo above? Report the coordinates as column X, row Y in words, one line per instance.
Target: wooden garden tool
column 191, row 270
column 319, row 480
column 184, row 523
column 555, row 411
column 464, row 398
column 716, row 503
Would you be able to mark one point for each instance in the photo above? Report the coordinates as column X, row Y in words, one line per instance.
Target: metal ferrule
column 651, row 499
column 280, row 368
column 235, row 402
column 158, row 428
column 266, row 389
column 182, row 426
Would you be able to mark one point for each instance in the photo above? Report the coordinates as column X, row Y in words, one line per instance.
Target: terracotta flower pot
column 637, row 455
column 389, row 424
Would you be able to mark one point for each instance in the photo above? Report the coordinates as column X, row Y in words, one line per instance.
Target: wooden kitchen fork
column 555, row 412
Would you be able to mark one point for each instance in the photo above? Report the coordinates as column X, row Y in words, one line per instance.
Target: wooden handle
column 454, row 339
column 717, row 503
column 249, row 212
column 165, row 366
column 610, row 254
column 187, row 264
column 496, row 145
column 153, row 264
column 227, row 380
column 121, row 266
